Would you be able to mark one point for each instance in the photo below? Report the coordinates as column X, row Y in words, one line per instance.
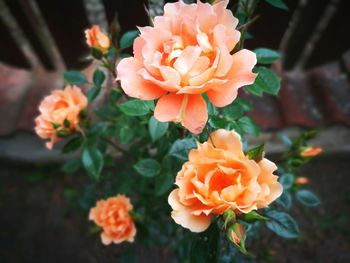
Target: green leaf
column 285, row 199
column 181, row 147
column 282, row 224
column 71, row 166
column 278, row 3
column 287, row 180
column 147, row 167
column 253, row 216
column 98, row 77
column 157, row 129
column 217, row 123
column 307, row 198
column 254, row 89
column 248, row 126
column 233, row 111
column 126, row 134
column 246, row 106
column 74, row 77
column 267, row 81
column 234, row 126
column 212, row 110
column 164, row 183
column 73, row 144
column 256, row 153
column 93, row 93
column 93, row 161
column 135, row 107
column 128, row 38
column 266, row 56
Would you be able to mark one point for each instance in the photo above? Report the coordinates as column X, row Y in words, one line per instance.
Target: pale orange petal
column 168, row 108
column 133, row 84
column 187, row 59
column 184, row 217
column 240, row 75
column 196, row 114
column 228, row 140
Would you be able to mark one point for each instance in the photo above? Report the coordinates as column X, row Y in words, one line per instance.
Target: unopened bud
column 302, row 180
column 310, row 151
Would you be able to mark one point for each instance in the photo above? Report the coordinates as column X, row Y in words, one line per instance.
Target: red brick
column 297, row 103
column 332, row 86
column 266, row 112
column 14, row 84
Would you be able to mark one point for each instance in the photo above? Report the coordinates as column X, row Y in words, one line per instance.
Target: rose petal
column 183, row 216
column 196, row 114
column 239, row 75
column 186, row 60
column 133, row 84
column 168, row 108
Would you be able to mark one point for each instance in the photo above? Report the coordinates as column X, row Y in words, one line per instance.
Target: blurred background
column 40, row 220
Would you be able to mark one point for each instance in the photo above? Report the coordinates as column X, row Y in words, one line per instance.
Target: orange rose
column 95, row 38
column 218, row 178
column 57, row 110
column 311, row 151
column 113, row 216
column 185, row 54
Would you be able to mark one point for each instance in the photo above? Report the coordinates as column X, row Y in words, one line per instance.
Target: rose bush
column 192, row 62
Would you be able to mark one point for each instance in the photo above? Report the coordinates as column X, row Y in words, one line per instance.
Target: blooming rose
column 60, row 112
column 311, row 151
column 218, row 177
column 185, row 54
column 95, row 38
column 114, row 218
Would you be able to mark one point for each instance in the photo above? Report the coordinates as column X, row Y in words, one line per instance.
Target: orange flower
column 302, row 180
column 57, row 110
column 95, row 38
column 311, row 151
column 218, row 178
column 185, row 54
column 113, row 216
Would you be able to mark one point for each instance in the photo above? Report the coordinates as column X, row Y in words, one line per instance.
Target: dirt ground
column 41, row 222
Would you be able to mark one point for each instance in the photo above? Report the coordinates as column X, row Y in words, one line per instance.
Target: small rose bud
column 310, row 151
column 236, row 234
column 97, row 39
column 302, row 180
